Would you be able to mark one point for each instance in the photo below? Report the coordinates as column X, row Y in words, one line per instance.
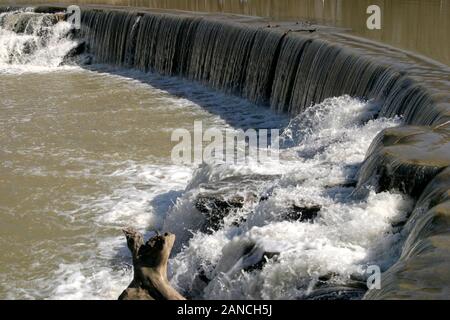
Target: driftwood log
column 150, row 267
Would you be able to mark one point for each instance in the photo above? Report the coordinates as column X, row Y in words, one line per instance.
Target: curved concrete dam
column 361, row 182
column 418, row 26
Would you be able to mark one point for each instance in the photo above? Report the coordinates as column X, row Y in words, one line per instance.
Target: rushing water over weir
column 337, row 97
column 287, row 70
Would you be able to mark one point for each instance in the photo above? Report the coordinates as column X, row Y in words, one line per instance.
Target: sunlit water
column 418, row 26
column 85, row 152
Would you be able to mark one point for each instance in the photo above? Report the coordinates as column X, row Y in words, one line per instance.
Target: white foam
column 146, row 194
column 326, row 147
column 41, row 49
column 349, row 234
column 322, row 150
column 156, row 185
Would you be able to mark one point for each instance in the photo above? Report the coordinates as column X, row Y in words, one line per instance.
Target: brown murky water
column 419, row 26
column 80, row 155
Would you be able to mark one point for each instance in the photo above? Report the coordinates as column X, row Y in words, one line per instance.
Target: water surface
column 418, row 26
column 86, row 151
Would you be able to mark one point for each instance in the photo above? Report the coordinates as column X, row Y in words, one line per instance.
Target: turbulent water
column 86, row 151
column 350, row 232
column 33, row 40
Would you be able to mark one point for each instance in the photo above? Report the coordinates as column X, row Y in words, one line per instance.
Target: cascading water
column 300, row 228
column 299, row 69
column 32, row 40
column 325, row 257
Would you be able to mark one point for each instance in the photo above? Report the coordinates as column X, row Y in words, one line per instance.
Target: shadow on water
column 236, row 112
column 239, row 114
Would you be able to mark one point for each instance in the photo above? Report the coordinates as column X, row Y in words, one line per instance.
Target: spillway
column 289, row 69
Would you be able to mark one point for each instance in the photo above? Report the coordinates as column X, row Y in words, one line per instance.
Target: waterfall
column 30, row 39
column 288, row 71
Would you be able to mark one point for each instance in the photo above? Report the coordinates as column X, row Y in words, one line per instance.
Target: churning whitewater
column 31, row 41
column 293, row 229
column 324, row 258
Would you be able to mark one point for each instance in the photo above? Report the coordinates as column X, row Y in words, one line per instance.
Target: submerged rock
column 266, row 256
column 244, row 255
column 303, row 214
column 29, row 47
column 74, row 54
column 221, row 198
column 27, row 23
column 216, row 207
